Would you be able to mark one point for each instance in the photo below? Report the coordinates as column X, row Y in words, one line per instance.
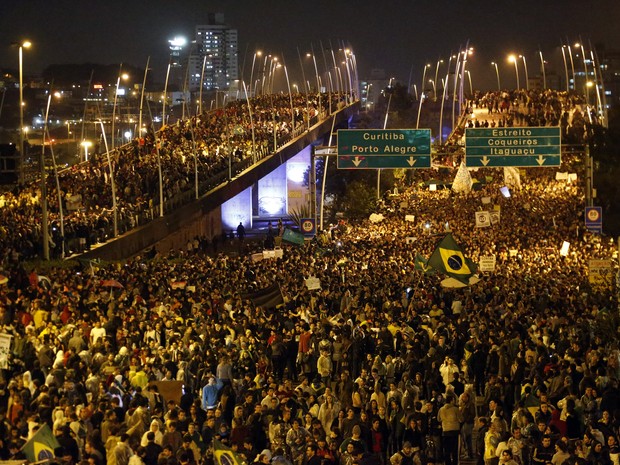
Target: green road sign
column 384, row 148
column 498, row 147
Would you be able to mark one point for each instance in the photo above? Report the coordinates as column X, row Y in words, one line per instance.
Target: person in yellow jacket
column 491, row 440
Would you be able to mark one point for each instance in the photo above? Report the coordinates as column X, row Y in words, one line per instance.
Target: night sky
column 397, row 36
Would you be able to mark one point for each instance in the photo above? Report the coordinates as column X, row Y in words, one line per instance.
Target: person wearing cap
column 404, row 456
column 355, row 439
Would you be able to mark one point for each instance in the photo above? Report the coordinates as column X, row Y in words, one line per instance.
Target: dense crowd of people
column 167, row 360
column 199, row 148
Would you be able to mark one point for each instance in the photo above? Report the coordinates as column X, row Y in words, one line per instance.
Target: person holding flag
column 448, row 258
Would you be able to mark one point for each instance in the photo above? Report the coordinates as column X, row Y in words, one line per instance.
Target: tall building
column 215, row 49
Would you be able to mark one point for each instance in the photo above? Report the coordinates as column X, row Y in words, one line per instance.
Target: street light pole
column 44, row 186
column 499, row 87
column 146, row 70
column 572, row 63
column 118, row 82
column 585, row 70
column 24, row 44
column 513, row 59
column 163, row 111
column 113, row 186
column 542, row 64
column 565, row 67
column 245, row 90
column 387, row 113
column 527, row 80
column 290, row 95
column 435, row 80
column 202, row 83
column 471, row 87
column 257, row 53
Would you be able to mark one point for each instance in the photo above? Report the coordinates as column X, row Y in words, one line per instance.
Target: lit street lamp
column 123, row 76
column 86, row 144
column 585, row 70
column 257, row 53
column 24, row 44
column 435, row 80
column 146, row 70
column 513, row 59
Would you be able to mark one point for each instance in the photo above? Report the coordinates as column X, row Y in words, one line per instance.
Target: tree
column 358, row 200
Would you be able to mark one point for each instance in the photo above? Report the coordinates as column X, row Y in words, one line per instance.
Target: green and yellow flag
column 41, row 446
column 224, row 455
column 448, row 258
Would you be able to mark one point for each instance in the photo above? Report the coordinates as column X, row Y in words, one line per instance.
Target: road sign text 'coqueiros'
column 531, row 146
column 384, row 148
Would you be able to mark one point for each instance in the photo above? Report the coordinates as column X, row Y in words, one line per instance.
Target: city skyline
column 399, row 38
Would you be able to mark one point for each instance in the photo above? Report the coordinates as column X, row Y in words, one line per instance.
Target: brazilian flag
column 41, row 446
column 224, row 455
column 448, row 258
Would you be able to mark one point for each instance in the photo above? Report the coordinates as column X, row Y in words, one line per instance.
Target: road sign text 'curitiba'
column 497, row 147
column 384, row 148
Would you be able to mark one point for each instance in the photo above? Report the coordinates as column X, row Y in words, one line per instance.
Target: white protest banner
column 279, row 253
column 513, row 252
column 410, row 218
column 269, row 254
column 483, row 219
column 564, row 249
column 561, row 176
column 313, row 283
column 486, row 200
column 409, row 240
column 256, row 257
column 600, row 273
column 5, row 349
column 572, row 177
column 487, row 263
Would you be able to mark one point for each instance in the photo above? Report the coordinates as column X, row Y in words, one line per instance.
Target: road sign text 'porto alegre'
column 384, row 148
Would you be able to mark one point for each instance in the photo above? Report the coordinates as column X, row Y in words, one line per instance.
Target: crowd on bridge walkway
column 204, row 145
column 380, row 365
column 527, row 108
